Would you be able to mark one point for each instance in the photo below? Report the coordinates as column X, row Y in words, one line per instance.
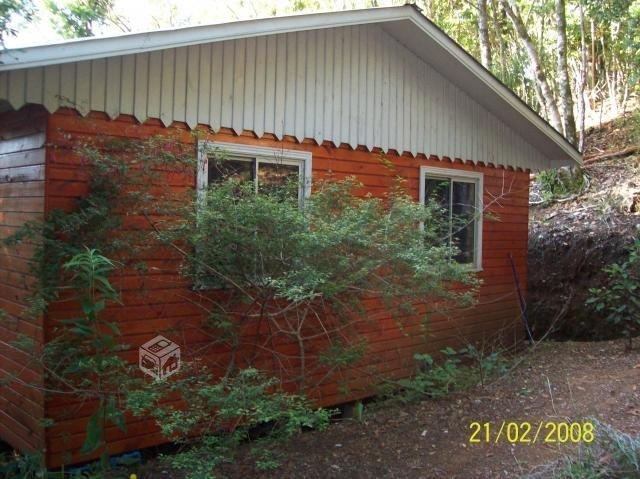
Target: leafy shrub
column 561, row 183
column 459, row 370
column 26, row 466
column 81, row 357
column 486, row 364
column 435, row 380
column 301, row 271
column 620, row 298
column 218, row 415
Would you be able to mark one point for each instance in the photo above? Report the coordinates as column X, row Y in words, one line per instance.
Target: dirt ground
column 558, row 382
column 571, row 240
column 568, row 381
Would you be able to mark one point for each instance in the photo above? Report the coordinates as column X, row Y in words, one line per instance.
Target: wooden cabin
column 329, row 92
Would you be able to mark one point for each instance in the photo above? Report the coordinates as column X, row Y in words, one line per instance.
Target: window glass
column 463, row 223
column 241, row 170
column 279, row 179
column 457, row 200
column 438, row 192
column 268, row 177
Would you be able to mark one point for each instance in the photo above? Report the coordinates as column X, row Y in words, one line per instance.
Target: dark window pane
column 279, row 179
column 437, row 190
column 220, row 170
column 463, row 226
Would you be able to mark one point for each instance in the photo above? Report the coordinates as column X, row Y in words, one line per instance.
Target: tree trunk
column 564, row 84
column 581, row 81
column 513, row 13
column 483, row 34
column 497, row 26
column 610, row 81
column 540, row 97
column 499, row 29
column 593, row 57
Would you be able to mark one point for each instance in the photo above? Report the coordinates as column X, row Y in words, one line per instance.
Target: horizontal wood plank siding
column 161, row 302
column 351, row 85
column 22, row 199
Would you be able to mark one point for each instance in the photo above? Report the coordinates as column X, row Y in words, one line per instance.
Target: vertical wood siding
column 22, row 195
column 161, row 303
column 353, row 85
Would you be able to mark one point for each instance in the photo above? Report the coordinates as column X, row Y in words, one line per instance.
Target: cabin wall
column 161, row 302
column 22, row 199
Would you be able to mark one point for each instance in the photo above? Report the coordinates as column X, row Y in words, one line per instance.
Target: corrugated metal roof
column 226, row 73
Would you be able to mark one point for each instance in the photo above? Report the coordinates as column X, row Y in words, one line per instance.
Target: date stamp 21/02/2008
column 542, row 432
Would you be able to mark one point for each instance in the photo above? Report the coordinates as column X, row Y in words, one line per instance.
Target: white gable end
column 355, row 85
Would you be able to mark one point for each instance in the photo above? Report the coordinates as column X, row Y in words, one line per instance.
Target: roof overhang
column 405, row 23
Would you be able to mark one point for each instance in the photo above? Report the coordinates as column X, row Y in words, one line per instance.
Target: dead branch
column 612, row 154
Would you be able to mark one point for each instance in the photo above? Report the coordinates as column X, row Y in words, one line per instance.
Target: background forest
column 575, row 62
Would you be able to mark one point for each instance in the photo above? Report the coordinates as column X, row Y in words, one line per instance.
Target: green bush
column 620, row 298
column 436, row 380
column 561, row 183
column 217, row 416
column 487, row 364
column 457, row 371
column 26, row 466
column 81, row 357
column 304, row 272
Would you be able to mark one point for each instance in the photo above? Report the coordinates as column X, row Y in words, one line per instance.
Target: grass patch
column 612, row 455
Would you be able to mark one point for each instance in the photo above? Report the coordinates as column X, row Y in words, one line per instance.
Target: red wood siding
column 156, row 304
column 22, row 193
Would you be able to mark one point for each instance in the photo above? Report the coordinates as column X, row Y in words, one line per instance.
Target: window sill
column 473, row 268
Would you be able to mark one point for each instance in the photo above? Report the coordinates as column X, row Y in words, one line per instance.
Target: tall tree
column 483, row 34
column 500, row 37
column 513, row 12
column 9, row 10
column 581, row 80
column 78, row 18
column 564, row 83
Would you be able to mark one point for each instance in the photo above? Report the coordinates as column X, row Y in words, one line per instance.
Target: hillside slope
column 572, row 238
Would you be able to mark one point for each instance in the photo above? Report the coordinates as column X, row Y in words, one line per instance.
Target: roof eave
column 92, row 48
column 562, row 152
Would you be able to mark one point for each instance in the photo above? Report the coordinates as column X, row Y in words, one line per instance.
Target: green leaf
column 115, row 415
column 94, row 431
column 99, row 306
column 82, row 330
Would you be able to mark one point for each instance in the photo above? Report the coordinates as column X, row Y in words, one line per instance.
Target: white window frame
column 262, row 154
column 462, row 176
